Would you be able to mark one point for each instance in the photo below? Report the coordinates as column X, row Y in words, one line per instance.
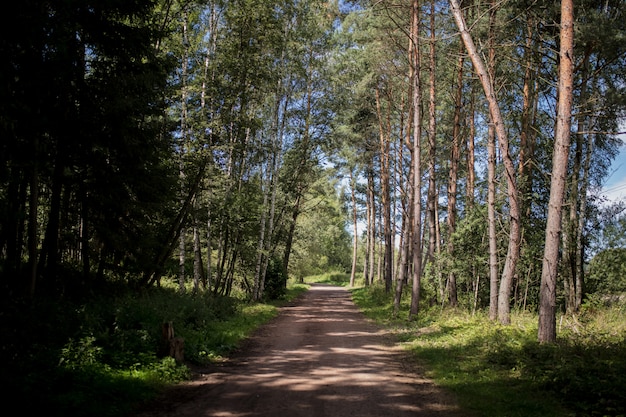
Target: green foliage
column 275, row 280
column 321, row 242
column 607, row 272
column 500, row 370
column 94, row 137
column 100, row 358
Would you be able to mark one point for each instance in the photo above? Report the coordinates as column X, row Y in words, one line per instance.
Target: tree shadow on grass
column 506, row 372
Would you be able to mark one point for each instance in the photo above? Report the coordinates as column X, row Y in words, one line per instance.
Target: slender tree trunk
column 491, row 219
column 471, row 150
column 209, row 279
column 432, row 203
column 512, row 257
column 386, row 195
column 371, row 227
column 257, row 293
column 49, row 257
column 33, row 229
column 183, row 129
column 414, row 76
column 355, row 229
column 526, row 134
column 292, row 231
column 85, row 233
column 405, row 244
column 547, row 294
column 580, row 255
column 453, row 179
column 491, row 185
column 197, row 258
column 572, row 238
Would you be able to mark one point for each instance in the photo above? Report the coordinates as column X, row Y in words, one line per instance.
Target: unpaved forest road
column 320, row 357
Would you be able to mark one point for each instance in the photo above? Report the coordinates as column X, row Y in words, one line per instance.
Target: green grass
column 334, row 278
column 497, row 370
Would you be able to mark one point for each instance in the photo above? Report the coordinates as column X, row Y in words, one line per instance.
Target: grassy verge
column 334, row 278
column 497, row 370
column 100, row 359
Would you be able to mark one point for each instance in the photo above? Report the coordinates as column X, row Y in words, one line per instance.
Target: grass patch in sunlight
column 341, row 279
column 482, row 363
column 497, row 370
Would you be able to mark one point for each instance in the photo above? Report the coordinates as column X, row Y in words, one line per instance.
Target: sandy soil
column 319, row 357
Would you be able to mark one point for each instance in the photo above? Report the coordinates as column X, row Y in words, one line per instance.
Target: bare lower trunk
column 452, row 181
column 183, row 145
column 547, row 295
column 491, row 219
column 416, row 159
column 404, row 250
column 33, row 229
column 355, row 229
column 197, row 258
column 432, row 146
column 385, row 194
column 371, row 226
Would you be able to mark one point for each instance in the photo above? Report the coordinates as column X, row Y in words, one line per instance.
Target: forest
column 193, row 161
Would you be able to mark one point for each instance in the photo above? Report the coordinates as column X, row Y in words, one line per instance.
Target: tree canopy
column 219, row 143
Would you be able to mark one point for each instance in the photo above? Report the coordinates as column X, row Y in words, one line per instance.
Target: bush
column 275, row 280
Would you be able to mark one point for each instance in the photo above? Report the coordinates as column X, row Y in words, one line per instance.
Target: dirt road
column 320, row 357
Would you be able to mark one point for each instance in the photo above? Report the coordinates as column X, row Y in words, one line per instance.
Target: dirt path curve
column 320, row 357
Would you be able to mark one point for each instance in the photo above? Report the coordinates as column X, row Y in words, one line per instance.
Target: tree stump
column 170, row 345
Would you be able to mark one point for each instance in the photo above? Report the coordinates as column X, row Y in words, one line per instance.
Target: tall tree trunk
column 209, row 248
column 197, row 258
column 385, row 194
column 547, row 294
column 572, row 236
column 491, row 184
column 257, row 292
column 292, row 231
column 49, row 257
column 512, row 257
column 471, row 150
column 33, row 229
column 432, row 204
column 453, row 179
column 414, row 77
column 405, row 244
column 526, row 133
column 491, row 220
column 580, row 253
column 371, row 224
column 354, row 228
column 183, row 145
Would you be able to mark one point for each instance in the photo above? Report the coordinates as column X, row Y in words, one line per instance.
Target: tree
column 547, row 305
column 99, row 141
column 414, row 77
column 510, row 173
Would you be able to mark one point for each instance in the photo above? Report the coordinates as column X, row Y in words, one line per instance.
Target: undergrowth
column 497, row 370
column 100, row 358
